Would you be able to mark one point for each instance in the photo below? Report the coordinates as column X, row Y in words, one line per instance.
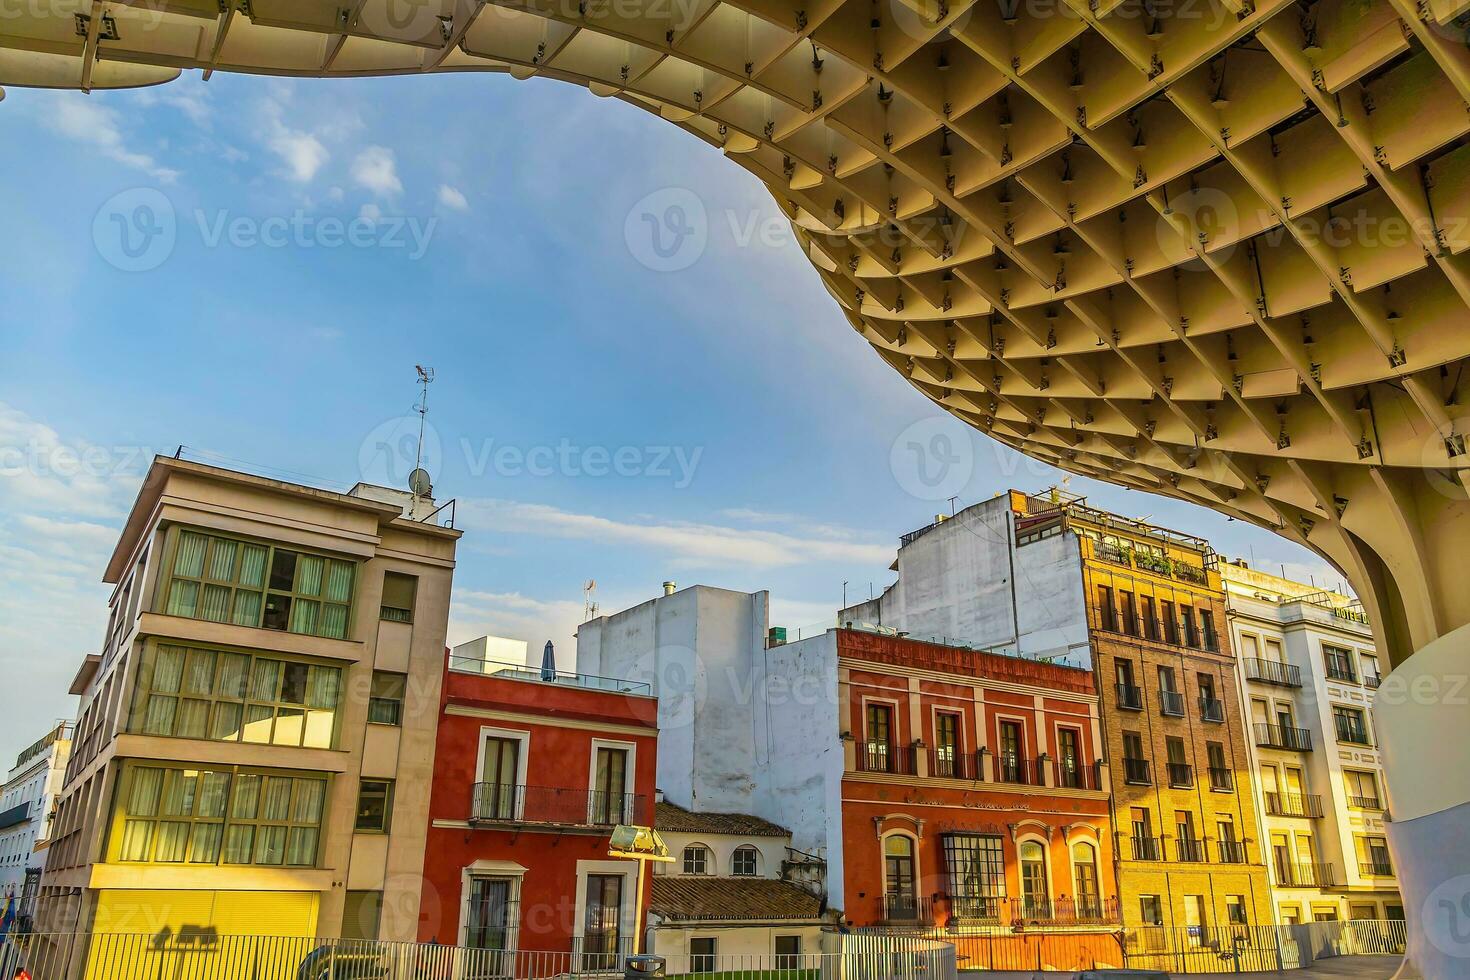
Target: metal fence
column 203, row 955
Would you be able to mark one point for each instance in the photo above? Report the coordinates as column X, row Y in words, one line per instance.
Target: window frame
column 745, row 851
column 169, row 577
column 407, row 612
column 704, row 858
column 388, row 794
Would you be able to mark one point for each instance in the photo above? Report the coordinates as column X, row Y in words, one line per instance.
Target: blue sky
column 737, row 431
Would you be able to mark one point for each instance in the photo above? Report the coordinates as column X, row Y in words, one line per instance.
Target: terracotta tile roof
column 676, row 819
column 687, row 897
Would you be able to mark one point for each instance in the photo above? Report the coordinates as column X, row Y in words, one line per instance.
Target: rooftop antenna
column 589, row 607
column 419, row 481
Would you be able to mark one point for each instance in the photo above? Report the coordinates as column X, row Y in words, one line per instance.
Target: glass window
column 696, row 860
column 1084, row 870
column 374, row 806
column 1034, row 891
column 702, row 954
column 399, row 591
column 234, row 697
column 248, row 584
column 602, row 928
column 746, row 861
column 975, row 866
column 611, row 801
column 229, row 816
column 490, row 915
column 385, row 705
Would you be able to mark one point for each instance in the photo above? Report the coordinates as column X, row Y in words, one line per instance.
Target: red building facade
column 530, row 777
column 975, row 794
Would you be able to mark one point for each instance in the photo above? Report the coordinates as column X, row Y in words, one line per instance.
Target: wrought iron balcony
column 1064, row 911
column 1013, row 769
column 1365, row 802
column 1221, row 779
column 1294, row 805
column 1147, row 848
column 1231, row 851
column 1073, row 775
column 1181, row 775
column 508, row 803
column 1129, row 696
column 1352, row 734
column 951, row 764
column 1190, row 850
column 1136, row 771
column 1372, row 681
column 977, row 908
column 1272, row 672
column 900, row 909
column 1306, row 875
column 897, row 760
column 1380, row 869
column 1212, row 709
column 1341, row 672
column 1283, row 737
column 1171, row 703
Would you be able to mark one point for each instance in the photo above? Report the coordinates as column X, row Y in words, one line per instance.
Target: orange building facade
column 974, row 795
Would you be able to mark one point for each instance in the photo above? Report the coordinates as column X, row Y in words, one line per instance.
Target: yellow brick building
column 1188, row 844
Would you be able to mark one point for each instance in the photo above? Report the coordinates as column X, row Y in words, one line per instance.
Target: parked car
column 1122, row 975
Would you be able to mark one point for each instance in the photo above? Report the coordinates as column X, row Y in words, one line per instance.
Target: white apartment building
column 25, row 812
column 1308, row 670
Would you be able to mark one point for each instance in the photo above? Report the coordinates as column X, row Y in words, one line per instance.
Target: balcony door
column 1034, row 894
column 879, row 738
column 1010, row 752
column 1069, row 758
column 899, row 892
column 488, row 918
column 946, row 743
column 610, row 787
column 499, row 796
column 1084, row 868
column 602, row 926
column 1281, row 858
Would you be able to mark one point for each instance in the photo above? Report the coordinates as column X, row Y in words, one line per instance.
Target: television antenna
column 420, row 484
column 589, row 606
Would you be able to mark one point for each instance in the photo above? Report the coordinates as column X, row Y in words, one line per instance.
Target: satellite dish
column 420, row 483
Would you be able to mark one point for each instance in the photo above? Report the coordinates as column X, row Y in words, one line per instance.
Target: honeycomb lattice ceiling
column 1211, row 248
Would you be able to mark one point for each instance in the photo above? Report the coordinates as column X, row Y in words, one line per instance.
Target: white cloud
column 370, row 212
column 303, row 154
column 84, row 121
column 453, row 198
column 703, row 545
column 190, row 99
column 376, row 170
column 511, row 614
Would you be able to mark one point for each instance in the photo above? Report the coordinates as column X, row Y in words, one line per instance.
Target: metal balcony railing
column 1190, row 850
column 1341, row 672
column 1365, row 802
column 1351, row 733
column 1147, row 848
column 903, row 909
column 1136, row 771
column 1129, row 696
column 1372, row 681
column 1211, row 709
column 1222, row 779
column 1231, row 851
column 1283, row 737
column 1073, row 775
column 1382, row 869
column 1013, row 769
column 509, row 803
column 896, row 760
column 1272, row 672
column 1306, row 875
column 1294, row 805
column 1171, row 703
column 953, row 764
column 1181, row 775
column 1064, row 911
column 977, row 908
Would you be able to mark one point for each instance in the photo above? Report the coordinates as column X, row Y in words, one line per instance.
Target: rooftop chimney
column 670, row 588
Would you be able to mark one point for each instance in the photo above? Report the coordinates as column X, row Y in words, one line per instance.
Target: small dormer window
column 696, row 860
column 745, row 861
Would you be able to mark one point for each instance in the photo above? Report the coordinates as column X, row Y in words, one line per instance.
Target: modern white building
column 25, row 812
column 1308, row 671
column 736, row 887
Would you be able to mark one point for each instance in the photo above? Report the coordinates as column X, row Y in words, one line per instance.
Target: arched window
column 1084, row 870
column 745, row 861
column 900, row 898
column 696, row 859
column 1035, row 898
